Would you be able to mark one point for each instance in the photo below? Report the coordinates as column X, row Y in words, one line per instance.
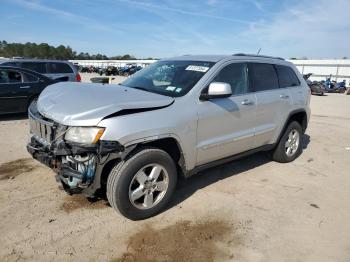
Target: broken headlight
column 84, row 135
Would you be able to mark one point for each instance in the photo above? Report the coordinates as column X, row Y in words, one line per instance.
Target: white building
column 337, row 69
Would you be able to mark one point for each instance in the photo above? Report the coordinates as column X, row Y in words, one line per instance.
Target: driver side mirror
column 217, row 90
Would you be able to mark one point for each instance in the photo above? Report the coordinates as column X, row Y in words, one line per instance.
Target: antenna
column 259, row 51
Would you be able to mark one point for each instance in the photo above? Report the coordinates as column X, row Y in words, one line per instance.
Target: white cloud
column 68, row 16
column 198, row 13
column 212, row 2
column 312, row 29
column 258, row 5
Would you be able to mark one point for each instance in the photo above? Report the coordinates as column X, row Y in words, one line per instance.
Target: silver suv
column 173, row 118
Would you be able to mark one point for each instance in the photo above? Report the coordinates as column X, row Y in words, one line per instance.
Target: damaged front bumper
column 78, row 167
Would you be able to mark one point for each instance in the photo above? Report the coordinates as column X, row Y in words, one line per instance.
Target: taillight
column 78, row 78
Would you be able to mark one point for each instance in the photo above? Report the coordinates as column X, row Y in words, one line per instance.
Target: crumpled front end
column 78, row 166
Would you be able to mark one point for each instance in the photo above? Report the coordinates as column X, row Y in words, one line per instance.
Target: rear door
column 288, row 79
column 16, row 89
column 226, row 125
column 273, row 102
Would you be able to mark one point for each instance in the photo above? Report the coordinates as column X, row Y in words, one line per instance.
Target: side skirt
column 228, row 159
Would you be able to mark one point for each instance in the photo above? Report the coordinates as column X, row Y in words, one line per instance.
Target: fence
column 337, row 69
column 117, row 63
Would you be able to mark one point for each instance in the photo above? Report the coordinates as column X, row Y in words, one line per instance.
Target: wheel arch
column 169, row 144
column 298, row 115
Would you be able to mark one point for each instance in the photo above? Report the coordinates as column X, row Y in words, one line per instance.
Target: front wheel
column 289, row 146
column 142, row 185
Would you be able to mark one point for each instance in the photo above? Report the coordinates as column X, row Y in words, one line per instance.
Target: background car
column 60, row 71
column 18, row 87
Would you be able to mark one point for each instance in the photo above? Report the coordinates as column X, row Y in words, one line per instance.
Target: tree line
column 46, row 51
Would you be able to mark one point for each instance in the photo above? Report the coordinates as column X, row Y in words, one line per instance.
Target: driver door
column 226, row 125
column 16, row 88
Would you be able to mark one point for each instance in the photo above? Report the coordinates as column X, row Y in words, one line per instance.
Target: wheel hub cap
column 148, row 186
column 292, row 143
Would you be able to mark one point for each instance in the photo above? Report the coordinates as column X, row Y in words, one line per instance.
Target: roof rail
column 264, row 56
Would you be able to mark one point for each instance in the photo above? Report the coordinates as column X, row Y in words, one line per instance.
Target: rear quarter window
column 39, row 67
column 286, row 76
column 59, row 68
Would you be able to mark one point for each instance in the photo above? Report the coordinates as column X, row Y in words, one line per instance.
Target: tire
column 280, row 153
column 123, row 181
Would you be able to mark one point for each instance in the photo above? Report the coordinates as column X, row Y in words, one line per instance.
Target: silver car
column 60, row 71
column 173, row 118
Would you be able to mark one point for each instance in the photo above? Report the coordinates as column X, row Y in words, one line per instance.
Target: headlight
column 84, row 135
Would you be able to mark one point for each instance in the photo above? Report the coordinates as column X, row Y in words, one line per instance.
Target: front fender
column 154, row 125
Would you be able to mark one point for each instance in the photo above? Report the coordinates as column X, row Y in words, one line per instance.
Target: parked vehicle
column 58, row 70
column 129, row 69
column 111, row 71
column 317, row 88
column 341, row 86
column 18, row 87
column 174, row 118
column 334, row 87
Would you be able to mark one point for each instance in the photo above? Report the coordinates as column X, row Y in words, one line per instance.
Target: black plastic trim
column 228, row 159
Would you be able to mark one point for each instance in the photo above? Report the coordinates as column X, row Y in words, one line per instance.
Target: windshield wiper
column 148, row 90
column 141, row 88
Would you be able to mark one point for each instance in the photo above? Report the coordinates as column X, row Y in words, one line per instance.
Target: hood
column 85, row 104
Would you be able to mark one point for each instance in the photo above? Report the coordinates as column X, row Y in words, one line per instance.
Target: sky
column 165, row 28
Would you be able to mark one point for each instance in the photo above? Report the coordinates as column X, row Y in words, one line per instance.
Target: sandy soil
column 248, row 210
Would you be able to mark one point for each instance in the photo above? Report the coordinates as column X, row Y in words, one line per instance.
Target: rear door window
column 60, row 68
column 286, row 76
column 262, row 77
column 28, row 78
column 39, row 67
column 235, row 75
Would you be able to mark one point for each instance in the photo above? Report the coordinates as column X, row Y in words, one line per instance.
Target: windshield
column 170, row 78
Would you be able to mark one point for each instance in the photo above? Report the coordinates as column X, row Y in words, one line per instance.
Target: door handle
column 24, row 87
column 284, row 96
column 247, row 102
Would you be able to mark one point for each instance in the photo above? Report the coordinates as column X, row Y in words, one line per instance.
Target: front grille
column 41, row 129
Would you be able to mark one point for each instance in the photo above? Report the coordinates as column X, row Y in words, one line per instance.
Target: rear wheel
column 289, row 146
column 142, row 185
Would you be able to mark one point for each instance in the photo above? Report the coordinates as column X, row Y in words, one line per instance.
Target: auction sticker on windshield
column 197, row 68
column 170, row 88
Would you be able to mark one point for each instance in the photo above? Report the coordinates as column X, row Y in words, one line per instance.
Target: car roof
column 33, row 60
column 239, row 56
column 208, row 58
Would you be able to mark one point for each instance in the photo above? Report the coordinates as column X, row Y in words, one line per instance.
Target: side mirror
column 217, row 90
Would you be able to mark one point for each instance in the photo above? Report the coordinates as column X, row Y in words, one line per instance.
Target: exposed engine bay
column 78, row 166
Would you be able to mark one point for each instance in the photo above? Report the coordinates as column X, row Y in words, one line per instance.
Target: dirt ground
column 252, row 209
